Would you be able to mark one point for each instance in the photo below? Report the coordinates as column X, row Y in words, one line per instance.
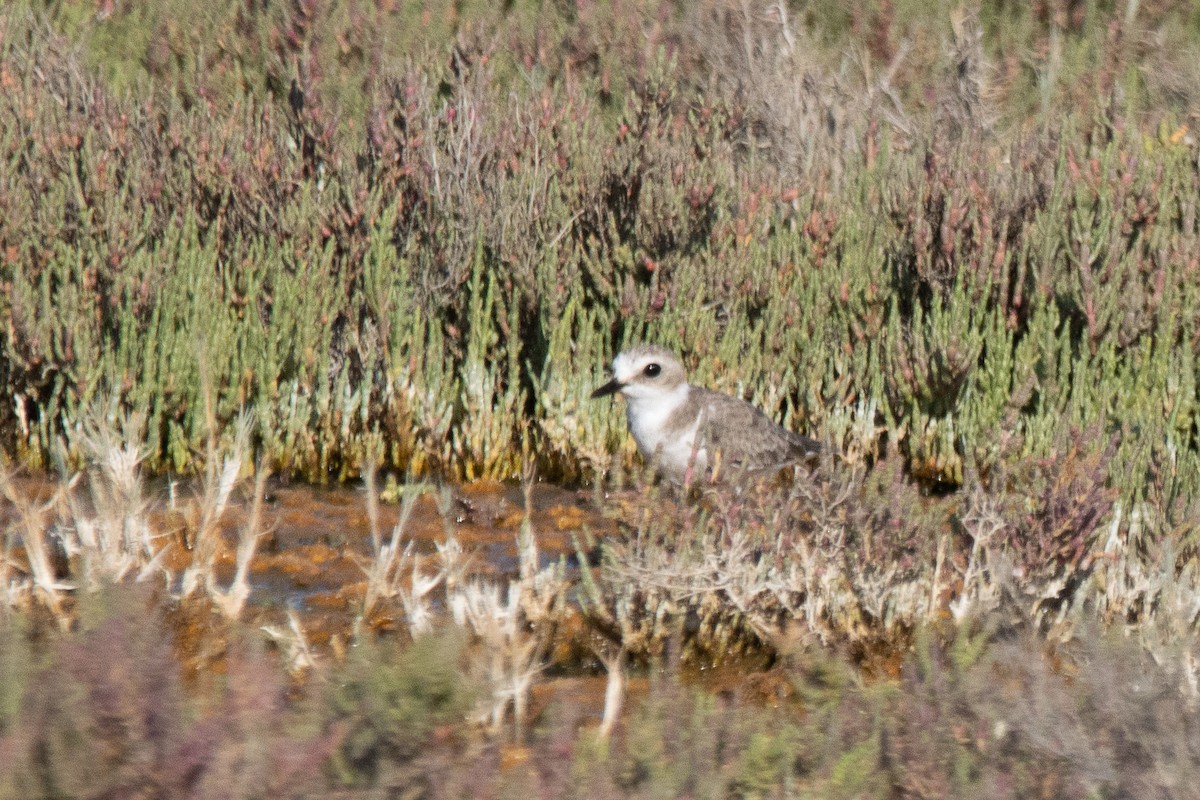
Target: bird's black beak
column 611, row 387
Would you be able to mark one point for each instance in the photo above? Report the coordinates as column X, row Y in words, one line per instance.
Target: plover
column 678, row 426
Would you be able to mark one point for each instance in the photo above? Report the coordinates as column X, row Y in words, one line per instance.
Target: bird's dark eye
column 652, row 370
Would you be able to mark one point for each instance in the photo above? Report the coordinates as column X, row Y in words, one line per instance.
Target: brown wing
column 748, row 439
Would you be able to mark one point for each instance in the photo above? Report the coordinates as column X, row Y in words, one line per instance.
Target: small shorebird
column 680, row 427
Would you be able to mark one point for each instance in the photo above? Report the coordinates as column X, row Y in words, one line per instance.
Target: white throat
column 648, row 415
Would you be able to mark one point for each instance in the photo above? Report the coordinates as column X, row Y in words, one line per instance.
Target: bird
column 687, row 430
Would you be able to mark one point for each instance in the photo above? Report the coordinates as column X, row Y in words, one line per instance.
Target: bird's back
column 746, row 438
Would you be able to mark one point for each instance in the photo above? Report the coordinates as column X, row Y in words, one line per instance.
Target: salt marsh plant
column 512, row 623
column 293, row 642
column 770, row 570
column 116, row 538
column 32, row 579
column 451, row 267
column 396, row 571
column 93, row 530
column 864, row 558
column 389, row 559
column 205, row 540
column 100, row 527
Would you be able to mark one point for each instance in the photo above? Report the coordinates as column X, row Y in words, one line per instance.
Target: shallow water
column 318, row 541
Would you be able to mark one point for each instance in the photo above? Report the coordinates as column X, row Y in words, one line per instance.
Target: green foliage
column 355, row 236
column 388, row 703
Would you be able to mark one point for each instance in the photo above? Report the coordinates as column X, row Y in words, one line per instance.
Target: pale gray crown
column 648, row 369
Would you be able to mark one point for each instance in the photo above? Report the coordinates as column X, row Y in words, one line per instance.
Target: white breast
column 670, row 449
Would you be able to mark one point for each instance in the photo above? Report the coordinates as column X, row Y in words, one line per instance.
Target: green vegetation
column 354, row 230
column 324, row 236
